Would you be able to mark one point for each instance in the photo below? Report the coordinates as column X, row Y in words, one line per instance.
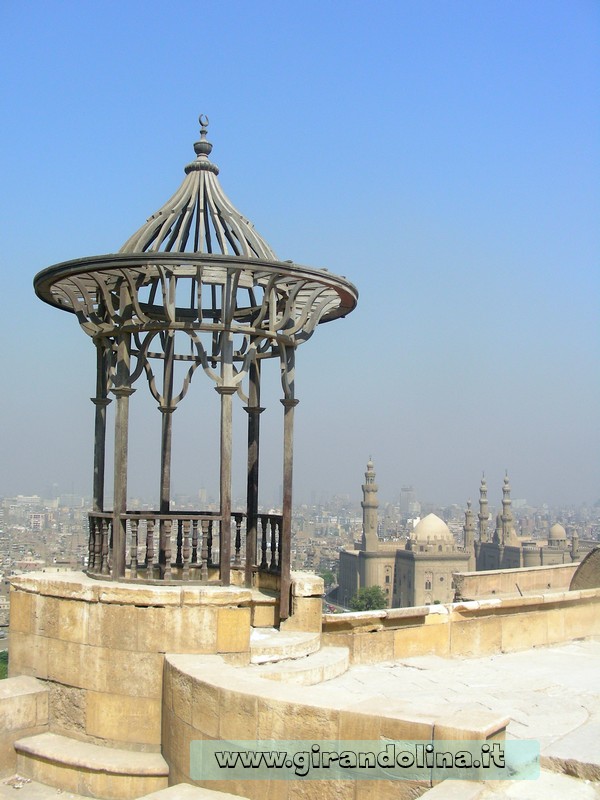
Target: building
column 417, row 572
column 504, row 549
column 423, row 569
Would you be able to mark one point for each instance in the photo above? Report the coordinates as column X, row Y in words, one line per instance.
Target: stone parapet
column 513, row 582
column 469, row 628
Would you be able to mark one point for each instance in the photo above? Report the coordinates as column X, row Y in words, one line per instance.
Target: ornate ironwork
column 195, row 285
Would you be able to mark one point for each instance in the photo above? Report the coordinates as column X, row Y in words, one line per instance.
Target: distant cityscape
column 51, row 534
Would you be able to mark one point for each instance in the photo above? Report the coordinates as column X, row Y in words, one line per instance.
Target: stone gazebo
column 195, row 286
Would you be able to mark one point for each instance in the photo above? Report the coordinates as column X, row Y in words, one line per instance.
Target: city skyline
column 450, row 171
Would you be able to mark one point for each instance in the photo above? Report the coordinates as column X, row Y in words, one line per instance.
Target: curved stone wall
column 100, row 647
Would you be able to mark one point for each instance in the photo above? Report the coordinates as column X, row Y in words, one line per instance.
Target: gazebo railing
column 182, row 546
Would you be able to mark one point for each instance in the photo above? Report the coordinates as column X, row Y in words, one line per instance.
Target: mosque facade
column 504, row 549
column 416, row 573
column 420, row 570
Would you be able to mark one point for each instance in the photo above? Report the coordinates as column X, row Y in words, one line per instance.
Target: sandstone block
column 73, row 621
column 118, row 718
column 416, row 640
column 476, row 637
column 21, row 611
column 233, row 630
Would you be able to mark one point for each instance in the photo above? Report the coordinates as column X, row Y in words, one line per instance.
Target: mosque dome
column 557, row 532
column 432, row 527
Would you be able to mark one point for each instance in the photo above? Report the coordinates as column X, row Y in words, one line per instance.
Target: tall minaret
column 469, row 536
column 574, row 546
column 484, row 514
column 370, row 541
column 508, row 535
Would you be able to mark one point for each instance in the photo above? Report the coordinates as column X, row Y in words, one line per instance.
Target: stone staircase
column 295, row 657
column 79, row 768
column 90, row 769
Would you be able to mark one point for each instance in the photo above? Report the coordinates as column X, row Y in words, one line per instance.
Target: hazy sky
column 444, row 156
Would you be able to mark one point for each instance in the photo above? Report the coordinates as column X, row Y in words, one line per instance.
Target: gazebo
column 196, row 286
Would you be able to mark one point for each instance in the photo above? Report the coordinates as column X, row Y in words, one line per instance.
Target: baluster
column 98, row 548
column 97, row 545
column 279, row 533
column 209, row 543
column 238, row 539
column 179, row 539
column 273, row 564
column 150, row 548
column 263, row 541
column 134, row 546
column 105, row 546
column 204, row 552
column 91, row 544
column 185, row 524
column 194, row 541
column 167, row 565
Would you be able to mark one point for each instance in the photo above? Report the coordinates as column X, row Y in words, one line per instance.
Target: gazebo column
column 122, row 391
column 254, row 411
column 101, row 401
column 289, row 404
column 166, row 408
column 226, row 393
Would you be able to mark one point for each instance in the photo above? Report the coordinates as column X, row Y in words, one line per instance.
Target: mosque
column 420, row 571
column 505, row 550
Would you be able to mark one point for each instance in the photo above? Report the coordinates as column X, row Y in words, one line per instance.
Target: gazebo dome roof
column 197, row 264
column 199, row 217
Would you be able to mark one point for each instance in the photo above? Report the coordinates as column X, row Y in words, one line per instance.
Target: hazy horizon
column 444, row 157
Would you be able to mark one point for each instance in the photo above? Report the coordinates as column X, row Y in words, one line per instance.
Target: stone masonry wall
column 467, row 629
column 100, row 648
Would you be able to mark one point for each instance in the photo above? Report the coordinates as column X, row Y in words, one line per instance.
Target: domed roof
column 199, row 217
column 557, row 532
column 431, row 527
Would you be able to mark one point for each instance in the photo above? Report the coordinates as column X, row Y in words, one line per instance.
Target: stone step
column 90, row 769
column 269, row 645
column 32, row 790
column 318, row 667
column 185, row 791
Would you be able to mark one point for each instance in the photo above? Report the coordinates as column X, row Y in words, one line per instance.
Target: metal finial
column 203, row 147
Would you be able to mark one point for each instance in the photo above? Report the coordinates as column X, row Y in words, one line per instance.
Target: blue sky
column 444, row 156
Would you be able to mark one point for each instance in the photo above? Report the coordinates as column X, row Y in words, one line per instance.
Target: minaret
column 484, row 514
column 370, row 541
column 574, row 546
column 469, row 536
column 508, row 535
column 497, row 537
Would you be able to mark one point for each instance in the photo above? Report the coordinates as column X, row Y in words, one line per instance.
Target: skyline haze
column 445, row 158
